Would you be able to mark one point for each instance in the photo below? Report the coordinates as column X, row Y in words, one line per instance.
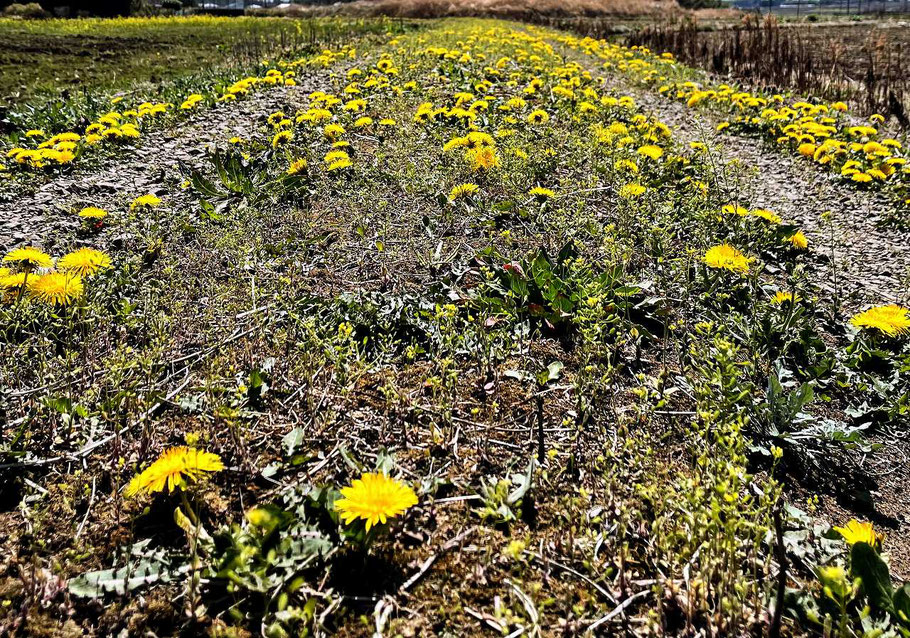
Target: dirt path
column 45, row 218
column 859, row 259
column 872, row 267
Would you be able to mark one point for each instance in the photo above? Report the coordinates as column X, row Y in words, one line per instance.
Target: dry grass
column 514, row 9
column 864, row 62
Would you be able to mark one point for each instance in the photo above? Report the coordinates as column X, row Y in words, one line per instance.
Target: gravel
column 872, row 260
column 45, row 218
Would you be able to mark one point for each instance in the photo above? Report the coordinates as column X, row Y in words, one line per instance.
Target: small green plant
column 504, row 500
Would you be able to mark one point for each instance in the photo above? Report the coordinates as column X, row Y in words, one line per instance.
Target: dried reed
column 853, row 62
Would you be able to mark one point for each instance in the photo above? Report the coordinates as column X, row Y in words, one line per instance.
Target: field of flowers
column 449, row 329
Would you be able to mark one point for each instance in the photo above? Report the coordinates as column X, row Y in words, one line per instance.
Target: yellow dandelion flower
column 375, row 498
column 798, row 240
column 16, row 281
column 130, row 131
column 891, row 320
column 296, row 167
column 726, row 257
column 626, row 165
column 339, row 164
column 56, row 288
column 734, row 209
column 860, row 532
column 652, row 151
column 191, row 102
column 174, row 469
column 84, row 262
column 784, row 296
column 333, row 131
column 587, row 107
column 334, row 156
column 630, row 191
column 479, row 138
column 92, row 212
column 455, row 142
column 145, row 201
column 482, row 158
column 538, row 117
column 767, row 215
column 463, row 190
column 282, row 137
column 540, row 192
column 28, row 257
column 355, row 106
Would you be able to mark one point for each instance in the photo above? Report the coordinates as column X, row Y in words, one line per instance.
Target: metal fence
column 806, row 7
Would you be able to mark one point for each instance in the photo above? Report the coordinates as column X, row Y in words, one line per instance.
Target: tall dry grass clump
column 866, row 65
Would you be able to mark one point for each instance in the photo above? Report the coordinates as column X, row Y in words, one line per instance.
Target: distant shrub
column 701, row 4
column 30, row 11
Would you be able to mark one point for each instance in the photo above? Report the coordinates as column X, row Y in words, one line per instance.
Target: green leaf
column 269, row 517
column 153, row 566
column 901, row 602
column 627, row 291
column 552, row 373
column 208, row 210
column 118, row 581
column 292, row 440
column 257, row 386
column 567, row 252
column 523, row 483
column 866, row 564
